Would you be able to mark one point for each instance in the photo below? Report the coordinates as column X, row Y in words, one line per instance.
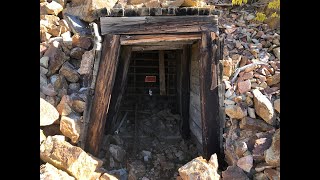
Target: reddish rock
column 245, row 163
column 56, row 57
column 86, row 62
column 81, row 41
column 69, row 72
column 276, row 105
column 262, row 166
column 255, row 124
column 275, row 79
column 272, row 174
column 272, row 155
column 77, row 53
column 235, row 111
column 64, row 107
column 244, row 86
column 247, row 75
column 260, row 146
column 260, row 176
column 234, row 172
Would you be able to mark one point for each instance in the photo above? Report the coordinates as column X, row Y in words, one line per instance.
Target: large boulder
column 69, row 158
column 263, row 106
column 48, row 113
column 199, row 168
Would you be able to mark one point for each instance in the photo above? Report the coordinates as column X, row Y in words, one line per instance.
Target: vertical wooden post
column 119, row 86
column 162, row 74
column 209, row 98
column 103, row 89
column 185, row 90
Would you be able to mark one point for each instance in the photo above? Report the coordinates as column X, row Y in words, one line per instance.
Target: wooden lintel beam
column 158, row 24
column 157, row 47
column 159, row 39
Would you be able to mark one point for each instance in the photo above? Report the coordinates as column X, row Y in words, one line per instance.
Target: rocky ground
column 251, row 77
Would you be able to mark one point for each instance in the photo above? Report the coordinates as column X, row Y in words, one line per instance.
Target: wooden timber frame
column 122, row 35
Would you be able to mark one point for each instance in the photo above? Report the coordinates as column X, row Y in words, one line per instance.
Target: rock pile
column 251, row 77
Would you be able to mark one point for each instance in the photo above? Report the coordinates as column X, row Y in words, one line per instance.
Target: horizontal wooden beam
column 159, row 39
column 156, row 47
column 158, row 24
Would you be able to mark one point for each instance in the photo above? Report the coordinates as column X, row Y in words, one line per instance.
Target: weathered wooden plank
column 103, row 90
column 195, row 114
column 196, row 131
column 159, row 39
column 209, row 99
column 162, row 74
column 185, row 91
column 119, row 87
column 158, row 24
column 156, row 47
column 195, row 100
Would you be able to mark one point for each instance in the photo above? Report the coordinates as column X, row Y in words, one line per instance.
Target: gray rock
column 43, row 70
column 117, row 152
column 74, row 87
column 48, row 90
column 44, row 61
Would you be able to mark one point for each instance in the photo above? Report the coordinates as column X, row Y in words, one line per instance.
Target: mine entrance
column 192, row 103
column 149, row 122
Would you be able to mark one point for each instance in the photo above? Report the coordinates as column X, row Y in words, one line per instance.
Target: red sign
column 150, row 79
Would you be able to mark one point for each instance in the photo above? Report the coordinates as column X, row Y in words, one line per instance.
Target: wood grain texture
column 119, row 87
column 103, row 89
column 160, row 39
column 158, row 24
column 162, row 74
column 209, row 99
